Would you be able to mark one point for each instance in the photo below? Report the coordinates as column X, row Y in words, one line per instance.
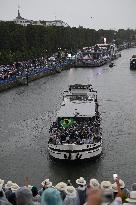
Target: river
column 26, row 114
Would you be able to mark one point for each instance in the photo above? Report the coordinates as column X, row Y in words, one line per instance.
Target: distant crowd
column 92, row 193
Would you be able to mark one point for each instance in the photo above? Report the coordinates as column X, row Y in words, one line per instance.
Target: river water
column 26, row 114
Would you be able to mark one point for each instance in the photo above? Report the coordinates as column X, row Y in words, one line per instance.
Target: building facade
column 25, row 22
column 22, row 21
column 58, row 23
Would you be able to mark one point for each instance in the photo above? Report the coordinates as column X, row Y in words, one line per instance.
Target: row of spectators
column 94, row 193
column 32, row 66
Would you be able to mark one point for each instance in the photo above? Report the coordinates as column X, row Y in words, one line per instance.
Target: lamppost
column 46, row 52
column 59, row 53
column 114, row 38
column 27, row 75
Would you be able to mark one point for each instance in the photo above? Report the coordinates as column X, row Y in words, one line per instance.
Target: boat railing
column 74, row 146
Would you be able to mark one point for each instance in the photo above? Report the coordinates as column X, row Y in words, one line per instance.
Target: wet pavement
column 26, row 114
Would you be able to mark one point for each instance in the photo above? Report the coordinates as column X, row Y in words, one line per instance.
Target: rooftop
column 78, row 108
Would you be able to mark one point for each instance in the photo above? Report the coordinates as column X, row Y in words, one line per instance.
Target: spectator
column 62, row 187
column 94, row 184
column 118, row 198
column 12, row 198
column 3, row 200
column 51, row 196
column 36, row 196
column 107, row 195
column 8, row 190
column 45, row 184
column 72, row 197
column 125, row 192
column 81, row 190
column 14, row 187
column 94, row 197
column 24, row 196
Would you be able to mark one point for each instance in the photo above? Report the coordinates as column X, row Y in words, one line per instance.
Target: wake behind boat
column 76, row 134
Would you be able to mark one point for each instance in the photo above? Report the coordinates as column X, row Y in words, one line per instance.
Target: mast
column 19, row 9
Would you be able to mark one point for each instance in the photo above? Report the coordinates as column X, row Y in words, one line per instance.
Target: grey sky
column 106, row 13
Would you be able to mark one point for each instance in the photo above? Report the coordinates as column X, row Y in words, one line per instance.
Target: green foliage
column 21, row 43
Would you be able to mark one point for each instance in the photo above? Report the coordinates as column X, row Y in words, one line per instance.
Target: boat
column 91, row 58
column 133, row 62
column 111, row 65
column 76, row 133
column 97, row 55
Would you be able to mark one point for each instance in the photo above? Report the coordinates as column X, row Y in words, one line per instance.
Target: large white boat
column 76, row 134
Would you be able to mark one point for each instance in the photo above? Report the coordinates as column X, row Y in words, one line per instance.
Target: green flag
column 65, row 123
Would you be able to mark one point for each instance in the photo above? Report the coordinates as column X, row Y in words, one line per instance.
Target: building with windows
column 22, row 21
column 25, row 22
column 58, row 23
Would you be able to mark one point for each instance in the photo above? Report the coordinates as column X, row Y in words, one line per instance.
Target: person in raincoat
column 72, row 197
column 51, row 196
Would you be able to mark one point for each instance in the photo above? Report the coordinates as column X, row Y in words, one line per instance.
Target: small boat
column 76, row 133
column 111, row 65
column 133, row 62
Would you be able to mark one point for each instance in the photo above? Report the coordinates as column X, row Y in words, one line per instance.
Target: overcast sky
column 107, row 14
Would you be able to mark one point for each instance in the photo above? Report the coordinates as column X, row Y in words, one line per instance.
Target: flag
column 65, row 123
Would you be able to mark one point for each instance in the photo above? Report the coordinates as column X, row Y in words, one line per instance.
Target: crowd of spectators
column 80, row 132
column 32, row 67
column 7, row 71
column 94, row 193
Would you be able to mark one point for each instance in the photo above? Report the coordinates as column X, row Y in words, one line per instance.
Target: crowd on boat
column 92, row 193
column 76, row 131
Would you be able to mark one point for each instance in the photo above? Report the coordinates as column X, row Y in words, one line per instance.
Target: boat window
column 78, row 97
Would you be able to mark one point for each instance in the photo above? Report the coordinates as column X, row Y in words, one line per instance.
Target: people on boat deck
column 66, row 194
column 82, row 132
